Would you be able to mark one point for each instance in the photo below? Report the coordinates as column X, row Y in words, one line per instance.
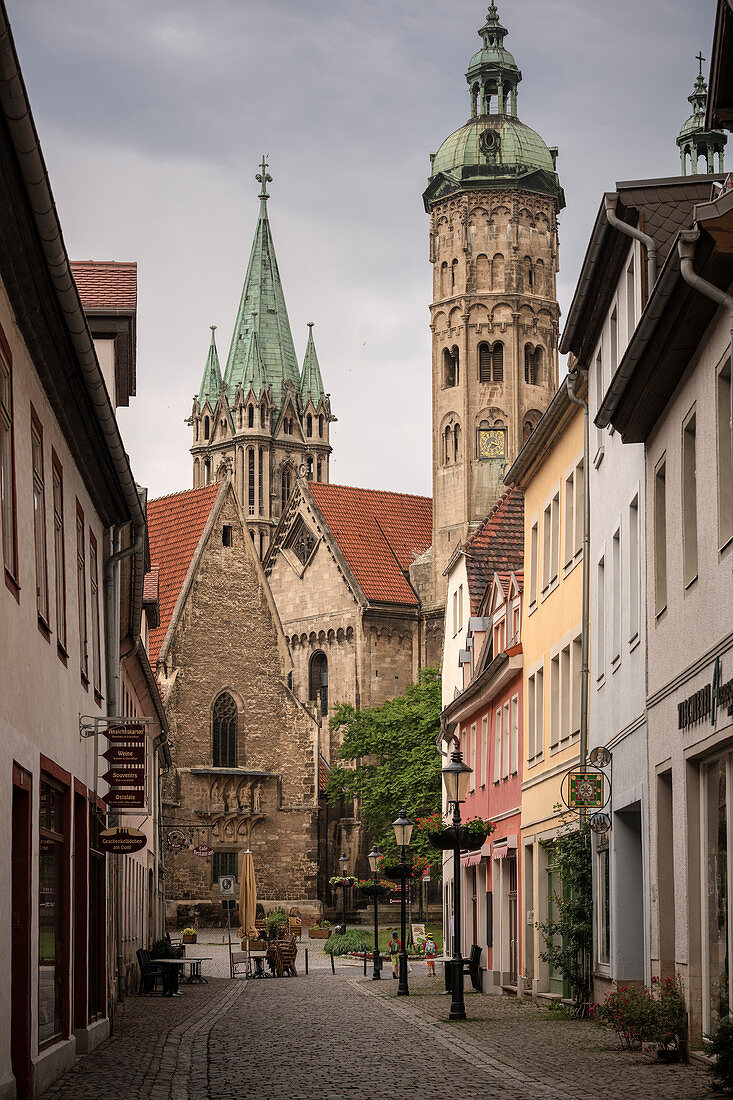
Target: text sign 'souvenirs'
column 126, row 776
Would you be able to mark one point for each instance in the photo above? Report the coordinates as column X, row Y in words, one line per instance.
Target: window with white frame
column 660, row 537
column 484, row 748
column 550, row 543
column 616, row 597
column 600, row 631
column 497, row 746
column 576, row 667
column 573, row 533
column 555, row 701
column 634, row 570
column 603, row 905
column 514, row 739
column 689, row 497
column 535, row 714
column 565, row 693
column 533, row 564
column 725, row 456
column 473, row 756
column 506, row 741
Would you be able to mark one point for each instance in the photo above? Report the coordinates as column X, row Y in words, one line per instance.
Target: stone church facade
column 245, row 750
column 493, row 198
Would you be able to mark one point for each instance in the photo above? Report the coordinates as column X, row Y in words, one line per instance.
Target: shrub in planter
column 348, row 943
column 189, row 935
column 639, row 1015
column 276, row 923
column 721, row 1047
column 161, row 949
column 321, row 930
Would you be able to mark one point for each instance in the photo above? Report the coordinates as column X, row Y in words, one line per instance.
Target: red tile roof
column 151, row 585
column 497, row 546
column 106, row 285
column 324, row 770
column 175, row 525
column 380, row 534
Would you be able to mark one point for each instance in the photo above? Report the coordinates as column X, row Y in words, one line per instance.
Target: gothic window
column 319, row 469
column 309, row 424
column 196, row 473
column 251, row 416
column 497, row 362
column 285, row 487
column 262, row 545
column 320, row 427
column 529, row 427
column 532, row 365
column 207, row 470
column 224, row 732
column 207, row 427
column 260, row 467
column 318, row 681
column 527, row 272
column 301, row 542
column 474, row 100
column 498, row 272
column 251, row 480
column 444, row 279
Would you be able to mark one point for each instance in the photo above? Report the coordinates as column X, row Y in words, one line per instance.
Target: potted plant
column 276, row 924
column 321, row 930
column 189, row 935
column 470, row 835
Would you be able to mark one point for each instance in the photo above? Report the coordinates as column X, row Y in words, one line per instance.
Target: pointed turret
column 311, row 381
column 263, row 314
column 211, row 381
column 694, row 141
column 254, row 370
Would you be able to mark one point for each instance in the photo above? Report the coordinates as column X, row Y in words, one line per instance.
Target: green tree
column 391, row 760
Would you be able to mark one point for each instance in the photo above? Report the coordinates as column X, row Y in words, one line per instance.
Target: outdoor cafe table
column 195, row 974
column 258, row 958
column 172, row 968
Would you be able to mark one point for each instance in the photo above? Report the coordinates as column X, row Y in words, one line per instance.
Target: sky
column 153, row 116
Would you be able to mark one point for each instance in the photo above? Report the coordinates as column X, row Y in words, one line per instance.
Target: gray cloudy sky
column 153, row 116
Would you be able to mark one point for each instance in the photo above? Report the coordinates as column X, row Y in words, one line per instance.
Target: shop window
column 97, row 977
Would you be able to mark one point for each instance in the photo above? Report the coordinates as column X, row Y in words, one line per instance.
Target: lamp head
column 402, row 829
column 343, row 860
column 456, row 777
column 374, row 857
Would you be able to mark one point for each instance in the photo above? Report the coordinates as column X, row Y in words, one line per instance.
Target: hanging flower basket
column 381, row 889
column 393, row 871
column 469, row 837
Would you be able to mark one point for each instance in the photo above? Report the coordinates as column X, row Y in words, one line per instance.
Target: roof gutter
column 610, row 201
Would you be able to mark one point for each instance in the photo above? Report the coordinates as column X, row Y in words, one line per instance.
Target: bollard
column 333, row 968
column 365, row 959
column 306, row 960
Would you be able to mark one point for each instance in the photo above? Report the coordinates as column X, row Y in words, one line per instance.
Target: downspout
column 573, row 377
column 631, row 231
column 686, row 251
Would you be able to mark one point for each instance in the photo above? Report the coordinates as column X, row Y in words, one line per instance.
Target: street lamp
column 374, row 857
column 344, row 861
column 403, row 831
column 456, row 776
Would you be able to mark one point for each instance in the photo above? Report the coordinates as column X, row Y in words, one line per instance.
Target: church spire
column 693, row 140
column 211, row 381
column 311, row 381
column 262, row 313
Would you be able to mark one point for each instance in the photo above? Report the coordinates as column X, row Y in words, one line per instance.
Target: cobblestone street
column 328, row 1037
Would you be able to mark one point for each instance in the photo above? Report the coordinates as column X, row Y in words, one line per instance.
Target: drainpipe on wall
column 573, row 377
column 631, row 231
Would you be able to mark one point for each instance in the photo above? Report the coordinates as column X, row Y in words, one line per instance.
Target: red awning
column 471, row 859
column 501, row 851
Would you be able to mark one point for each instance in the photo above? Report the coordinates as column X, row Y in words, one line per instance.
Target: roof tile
column 106, row 284
column 380, row 534
column 497, row 546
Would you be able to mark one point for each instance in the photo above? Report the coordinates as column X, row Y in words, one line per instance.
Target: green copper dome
column 492, row 146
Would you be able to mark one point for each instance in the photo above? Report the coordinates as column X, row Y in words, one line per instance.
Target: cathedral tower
column 493, row 199
column 695, row 142
column 264, row 422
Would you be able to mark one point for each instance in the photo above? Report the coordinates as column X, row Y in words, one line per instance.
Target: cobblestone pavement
column 326, row 1037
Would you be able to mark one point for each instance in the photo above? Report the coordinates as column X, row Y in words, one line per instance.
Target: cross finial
column 699, row 58
column 264, row 178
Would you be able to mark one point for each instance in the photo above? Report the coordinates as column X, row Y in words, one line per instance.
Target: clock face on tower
column 491, row 443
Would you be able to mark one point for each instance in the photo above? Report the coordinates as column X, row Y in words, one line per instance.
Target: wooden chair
column 288, row 953
column 239, row 963
column 150, row 974
column 295, row 926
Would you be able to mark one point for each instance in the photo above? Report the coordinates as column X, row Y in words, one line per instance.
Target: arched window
column 497, row 362
column 319, row 469
column 474, row 100
column 539, row 277
column 457, row 443
column 262, row 545
column 260, row 475
column 454, row 276
column 207, row 470
column 285, row 487
column 447, row 448
column 309, row 467
column 251, row 416
column 263, row 417
column 224, row 732
column 251, row 479
column 320, row 426
column 527, row 430
column 484, row 363
column 309, row 424
column 482, row 273
column 527, row 272
column 450, row 367
column 318, row 681
column 207, row 427
column 196, row 473
column 530, row 376
column 444, row 279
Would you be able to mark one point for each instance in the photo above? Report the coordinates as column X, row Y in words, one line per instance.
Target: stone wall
column 228, row 640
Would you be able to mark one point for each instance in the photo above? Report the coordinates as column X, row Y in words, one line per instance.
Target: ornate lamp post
column 344, row 861
column 374, row 857
column 403, row 831
column 455, row 776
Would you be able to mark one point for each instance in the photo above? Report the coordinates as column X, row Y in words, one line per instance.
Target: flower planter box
column 319, row 933
column 190, row 937
column 467, row 841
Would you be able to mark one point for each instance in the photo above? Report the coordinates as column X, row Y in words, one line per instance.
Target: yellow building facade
column 549, row 470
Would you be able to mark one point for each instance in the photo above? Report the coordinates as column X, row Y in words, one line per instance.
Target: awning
column 471, row 859
column 501, row 851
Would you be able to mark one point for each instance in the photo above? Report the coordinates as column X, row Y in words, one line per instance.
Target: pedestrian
column 430, row 952
column 394, row 947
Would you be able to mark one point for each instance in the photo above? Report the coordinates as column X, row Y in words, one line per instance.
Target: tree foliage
column 390, row 761
column 568, row 934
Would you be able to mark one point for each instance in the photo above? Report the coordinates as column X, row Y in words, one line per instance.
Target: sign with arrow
column 125, row 754
column 124, row 777
column 122, row 797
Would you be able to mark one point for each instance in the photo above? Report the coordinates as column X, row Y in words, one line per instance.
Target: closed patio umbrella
column 247, row 898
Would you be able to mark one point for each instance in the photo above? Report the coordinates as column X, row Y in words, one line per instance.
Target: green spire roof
column 262, row 313
column 693, row 140
column 211, row 381
column 254, row 371
column 311, row 381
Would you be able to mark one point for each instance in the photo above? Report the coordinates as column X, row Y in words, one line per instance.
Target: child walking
column 430, row 953
column 394, row 947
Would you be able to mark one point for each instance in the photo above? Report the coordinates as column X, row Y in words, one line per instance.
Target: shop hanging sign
column 120, row 798
column 203, row 850
column 117, row 755
column 121, row 841
column 134, row 733
column 126, row 776
column 585, row 789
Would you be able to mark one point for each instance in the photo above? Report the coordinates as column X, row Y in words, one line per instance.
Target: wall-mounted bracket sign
column 127, row 754
column 582, row 789
column 122, row 840
column 203, row 850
